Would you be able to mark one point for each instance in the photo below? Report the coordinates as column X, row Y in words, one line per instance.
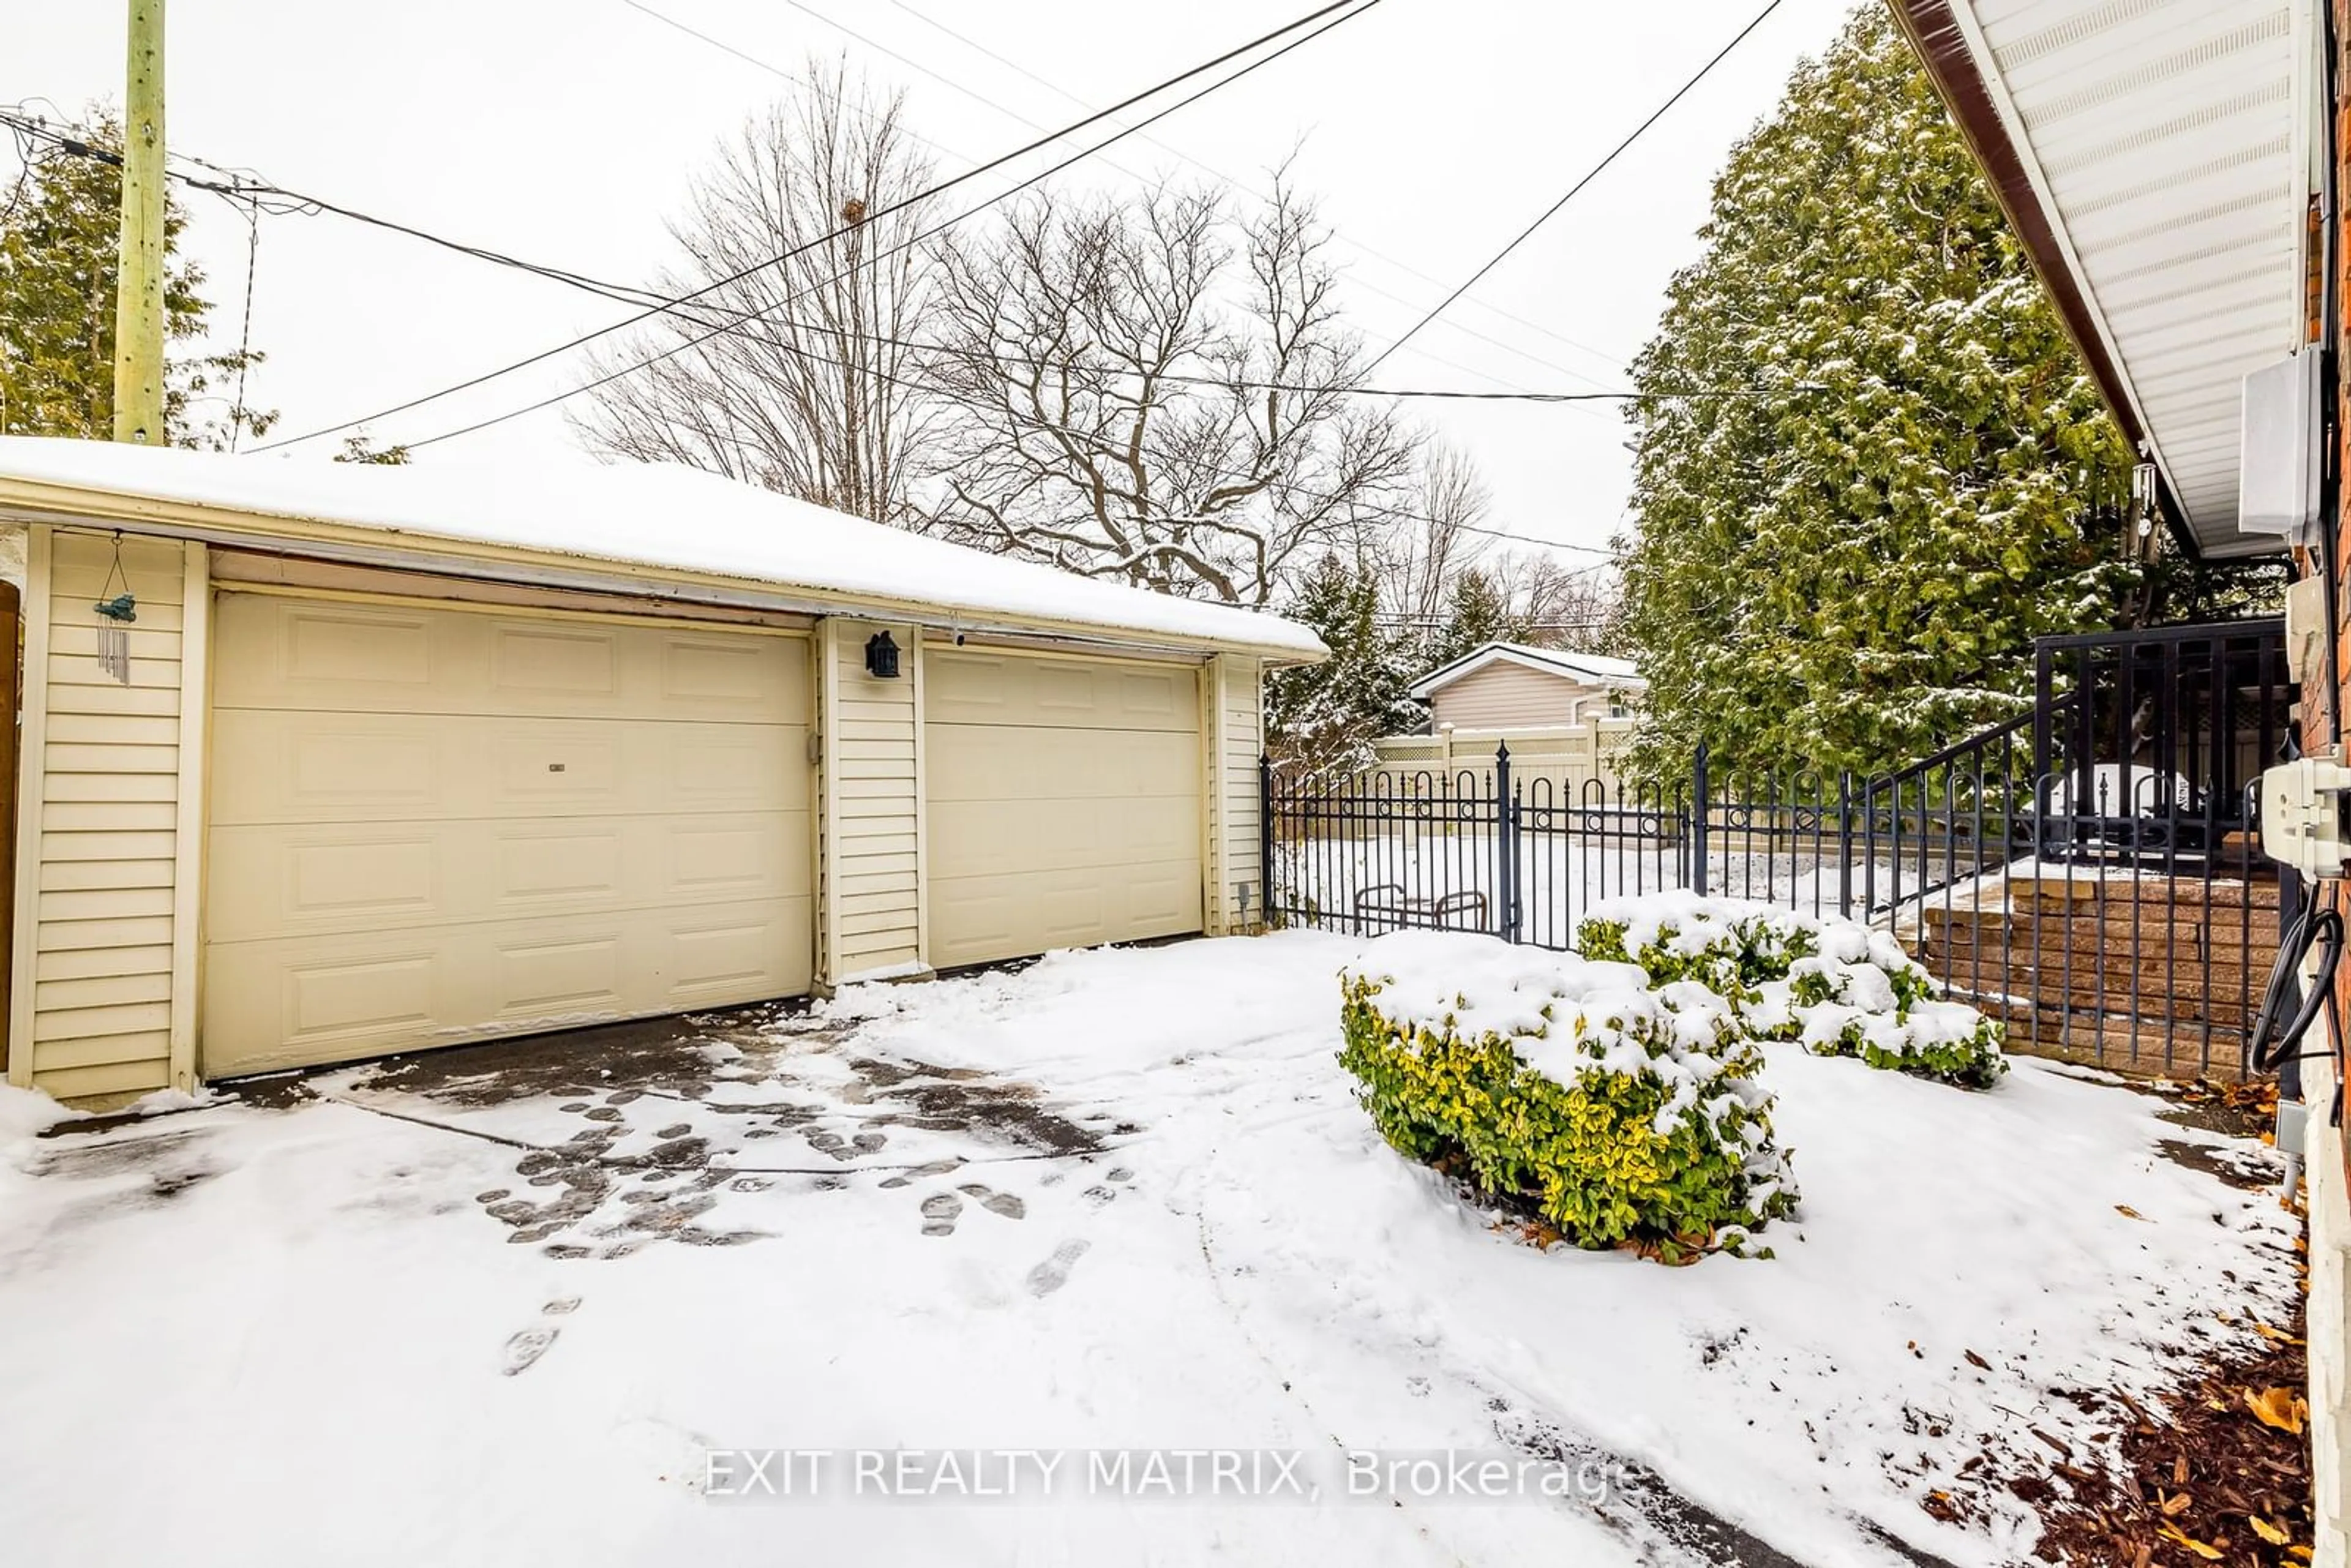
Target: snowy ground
column 1121, row 1200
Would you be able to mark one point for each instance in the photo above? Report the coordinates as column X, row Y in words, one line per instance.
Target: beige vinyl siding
column 1506, row 695
column 1234, row 804
column 873, row 815
column 100, row 841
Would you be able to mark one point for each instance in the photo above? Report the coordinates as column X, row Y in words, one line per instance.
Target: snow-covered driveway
column 1121, row 1200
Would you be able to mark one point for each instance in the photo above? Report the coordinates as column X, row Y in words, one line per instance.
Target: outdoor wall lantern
column 882, row 657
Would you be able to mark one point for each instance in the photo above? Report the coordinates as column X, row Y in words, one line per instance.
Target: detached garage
column 385, row 759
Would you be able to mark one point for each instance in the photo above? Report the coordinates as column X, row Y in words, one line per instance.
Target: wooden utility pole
column 139, row 294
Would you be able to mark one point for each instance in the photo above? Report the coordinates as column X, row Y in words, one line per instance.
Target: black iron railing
column 2086, row 872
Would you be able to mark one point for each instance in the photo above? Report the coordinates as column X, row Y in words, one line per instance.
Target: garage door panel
column 539, row 659
column 313, row 879
column 274, row 765
column 962, row 686
column 275, row 650
column 293, row 1001
column 976, row 762
column 983, row 838
column 732, row 767
column 542, row 975
column 978, row 919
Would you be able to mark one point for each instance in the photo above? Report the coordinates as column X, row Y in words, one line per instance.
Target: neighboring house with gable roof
column 1510, row 686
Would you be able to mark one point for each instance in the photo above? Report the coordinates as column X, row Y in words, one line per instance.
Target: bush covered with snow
column 1834, row 986
column 1619, row 1111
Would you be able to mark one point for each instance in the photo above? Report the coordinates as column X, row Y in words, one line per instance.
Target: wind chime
column 115, row 614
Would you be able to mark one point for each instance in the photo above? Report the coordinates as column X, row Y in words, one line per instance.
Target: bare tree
column 1154, row 389
column 1561, row 606
column 1421, row 555
column 818, row 392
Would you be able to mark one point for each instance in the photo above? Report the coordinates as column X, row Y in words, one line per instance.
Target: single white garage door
column 1063, row 802
column 433, row 826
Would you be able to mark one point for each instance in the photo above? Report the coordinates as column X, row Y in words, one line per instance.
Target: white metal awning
column 2157, row 157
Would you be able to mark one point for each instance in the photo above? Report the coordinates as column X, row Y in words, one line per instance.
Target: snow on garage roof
column 642, row 515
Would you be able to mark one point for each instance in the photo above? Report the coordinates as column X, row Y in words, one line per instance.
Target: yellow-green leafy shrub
column 1834, row 986
column 1618, row 1112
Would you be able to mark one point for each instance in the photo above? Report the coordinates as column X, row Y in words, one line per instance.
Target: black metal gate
column 2087, row 871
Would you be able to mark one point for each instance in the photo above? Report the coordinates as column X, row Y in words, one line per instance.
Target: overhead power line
column 265, row 195
column 960, row 156
column 1573, row 191
column 1338, row 11
column 938, row 229
column 967, row 41
column 248, row 186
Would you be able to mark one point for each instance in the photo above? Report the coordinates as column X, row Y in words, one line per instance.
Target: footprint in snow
column 1054, row 1273
column 523, row 1349
column 1002, row 1204
column 939, row 1212
column 909, row 1177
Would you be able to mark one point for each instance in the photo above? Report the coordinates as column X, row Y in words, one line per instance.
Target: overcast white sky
column 563, row 131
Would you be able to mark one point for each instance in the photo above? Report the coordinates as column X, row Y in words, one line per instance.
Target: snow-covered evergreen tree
column 1844, row 562
column 1477, row 612
column 1321, row 719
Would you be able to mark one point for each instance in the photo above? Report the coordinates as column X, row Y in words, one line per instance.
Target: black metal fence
column 2086, row 872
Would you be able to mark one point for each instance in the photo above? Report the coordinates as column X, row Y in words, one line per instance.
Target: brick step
column 2119, row 1045
column 2052, row 994
column 2179, row 971
column 2236, row 918
column 2056, row 893
column 2160, row 946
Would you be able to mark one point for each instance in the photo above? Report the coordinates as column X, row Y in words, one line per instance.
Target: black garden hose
column 2319, row 928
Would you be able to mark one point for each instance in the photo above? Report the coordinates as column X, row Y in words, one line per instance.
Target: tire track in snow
column 1641, row 1508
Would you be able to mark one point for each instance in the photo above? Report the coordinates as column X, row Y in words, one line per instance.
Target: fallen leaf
column 2173, row 1533
column 2128, row 1212
column 2278, row 1407
column 2266, row 1531
column 1977, row 1360
column 2301, row 1551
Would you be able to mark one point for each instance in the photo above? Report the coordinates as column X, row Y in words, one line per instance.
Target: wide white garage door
column 1063, row 802
column 431, row 826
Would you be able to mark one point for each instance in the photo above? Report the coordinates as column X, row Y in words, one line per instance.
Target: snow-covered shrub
column 1618, row 1111
column 1834, row 986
